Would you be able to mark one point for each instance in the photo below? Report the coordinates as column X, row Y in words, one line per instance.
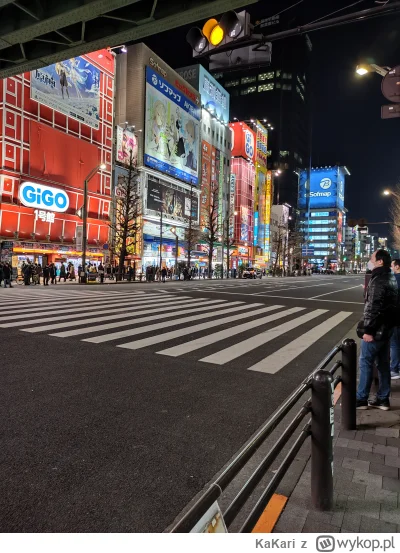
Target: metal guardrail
column 322, row 383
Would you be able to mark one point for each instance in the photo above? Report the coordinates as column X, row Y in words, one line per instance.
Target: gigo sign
column 40, row 196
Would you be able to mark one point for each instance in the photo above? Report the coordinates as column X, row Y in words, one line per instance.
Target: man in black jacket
column 380, row 312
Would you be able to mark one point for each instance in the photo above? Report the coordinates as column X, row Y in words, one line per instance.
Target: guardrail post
column 349, row 384
column 322, row 426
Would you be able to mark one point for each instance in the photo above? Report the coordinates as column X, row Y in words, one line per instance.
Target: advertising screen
column 127, row 144
column 172, row 130
column 324, row 189
column 243, row 141
column 71, row 87
column 175, row 204
column 214, row 97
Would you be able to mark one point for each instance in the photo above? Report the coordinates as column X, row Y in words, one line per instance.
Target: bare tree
column 193, row 233
column 211, row 230
column 278, row 248
column 126, row 223
column 395, row 217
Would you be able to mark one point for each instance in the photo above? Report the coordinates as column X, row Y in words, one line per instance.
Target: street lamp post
column 161, row 238
column 92, row 173
column 364, row 68
column 174, row 232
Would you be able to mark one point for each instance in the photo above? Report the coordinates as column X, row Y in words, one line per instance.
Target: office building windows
column 286, row 87
column 299, row 92
column 248, row 90
column 247, row 80
column 283, row 153
column 265, row 87
column 231, row 83
column 287, row 76
column 266, row 76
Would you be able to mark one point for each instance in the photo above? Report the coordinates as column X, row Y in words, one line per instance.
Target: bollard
column 349, row 384
column 322, row 429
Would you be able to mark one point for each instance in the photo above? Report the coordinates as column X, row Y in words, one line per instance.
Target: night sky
column 346, row 108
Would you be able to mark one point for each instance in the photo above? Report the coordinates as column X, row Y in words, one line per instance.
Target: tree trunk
column 210, row 263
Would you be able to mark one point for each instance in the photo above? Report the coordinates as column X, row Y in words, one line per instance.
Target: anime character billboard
column 127, row 147
column 172, row 130
column 71, row 87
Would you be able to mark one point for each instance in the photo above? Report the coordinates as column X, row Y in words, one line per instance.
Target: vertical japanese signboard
column 205, row 183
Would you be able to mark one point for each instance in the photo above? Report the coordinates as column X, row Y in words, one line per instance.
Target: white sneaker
column 395, row 376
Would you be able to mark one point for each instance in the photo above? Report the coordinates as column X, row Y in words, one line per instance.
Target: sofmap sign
column 324, row 189
column 39, row 196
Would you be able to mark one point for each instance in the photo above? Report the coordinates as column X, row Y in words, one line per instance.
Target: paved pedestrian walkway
column 366, row 478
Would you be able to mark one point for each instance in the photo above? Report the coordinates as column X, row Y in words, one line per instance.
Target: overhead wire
column 336, row 11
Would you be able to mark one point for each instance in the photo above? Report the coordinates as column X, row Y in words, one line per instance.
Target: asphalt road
column 147, row 390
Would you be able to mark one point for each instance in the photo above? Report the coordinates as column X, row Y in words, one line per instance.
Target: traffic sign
column 390, row 111
column 391, row 85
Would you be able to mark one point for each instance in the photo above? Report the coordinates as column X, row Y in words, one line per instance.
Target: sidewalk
column 366, row 478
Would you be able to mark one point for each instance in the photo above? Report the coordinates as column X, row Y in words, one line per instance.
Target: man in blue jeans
column 380, row 314
column 395, row 339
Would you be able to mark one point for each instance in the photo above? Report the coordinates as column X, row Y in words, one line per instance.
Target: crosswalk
column 211, row 331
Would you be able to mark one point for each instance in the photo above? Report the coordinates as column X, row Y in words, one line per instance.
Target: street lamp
column 389, row 192
column 364, row 68
column 92, row 173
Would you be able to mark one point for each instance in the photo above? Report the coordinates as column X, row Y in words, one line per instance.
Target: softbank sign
column 39, row 196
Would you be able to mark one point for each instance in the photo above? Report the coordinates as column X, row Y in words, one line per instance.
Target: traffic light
column 215, row 34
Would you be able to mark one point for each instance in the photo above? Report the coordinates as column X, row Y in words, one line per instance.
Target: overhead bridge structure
column 36, row 33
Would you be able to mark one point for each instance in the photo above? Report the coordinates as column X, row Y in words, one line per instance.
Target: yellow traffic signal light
column 213, row 32
column 231, row 27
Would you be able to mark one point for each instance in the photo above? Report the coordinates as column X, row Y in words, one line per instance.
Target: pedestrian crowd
column 31, row 273
column 379, row 330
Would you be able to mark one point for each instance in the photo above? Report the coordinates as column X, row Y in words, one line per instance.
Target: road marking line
column 289, row 298
column 63, row 303
column 205, row 341
column 182, row 308
column 335, row 292
column 176, row 322
column 185, row 331
column 122, row 314
column 76, row 313
column 241, row 348
column 282, row 357
column 270, row 515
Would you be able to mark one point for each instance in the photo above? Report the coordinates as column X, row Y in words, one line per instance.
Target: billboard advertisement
column 262, row 145
column 127, row 146
column 268, row 205
column 71, row 87
column 214, row 98
column 244, row 224
column 174, row 203
column 172, row 130
column 325, row 188
column 243, row 141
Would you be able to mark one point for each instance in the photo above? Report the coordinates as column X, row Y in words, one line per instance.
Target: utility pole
column 190, row 227
column 227, row 244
